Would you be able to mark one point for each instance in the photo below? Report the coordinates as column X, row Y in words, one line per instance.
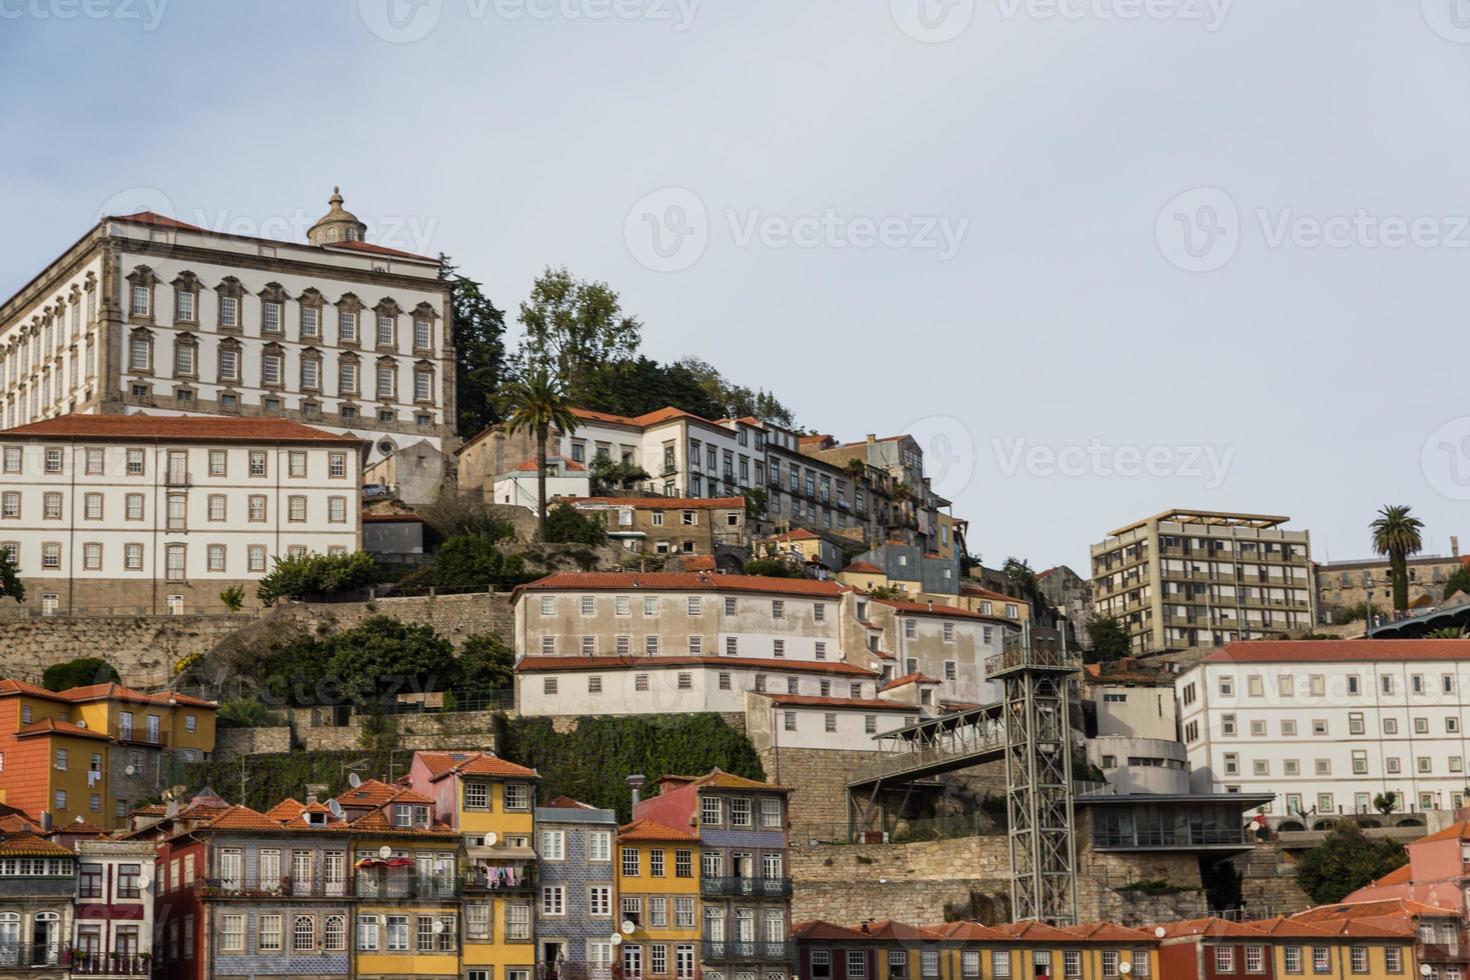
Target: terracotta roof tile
column 539, row 664
column 729, row 780
column 681, row 582
column 640, row 830
column 531, row 465
column 1207, row 927
column 863, row 568
column 815, row 701
column 104, row 692
column 155, row 219
column 286, row 810
column 10, row 687
column 240, row 817
column 1455, row 831
column 360, row 246
column 909, row 679
column 937, row 609
column 189, row 428
column 1109, row 932
column 29, row 845
column 375, row 793
column 441, row 764
column 662, row 503
column 800, row 534
column 54, row 726
column 966, row 932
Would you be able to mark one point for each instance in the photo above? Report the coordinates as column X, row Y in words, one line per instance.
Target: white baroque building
column 1329, row 725
column 159, row 514
column 149, row 314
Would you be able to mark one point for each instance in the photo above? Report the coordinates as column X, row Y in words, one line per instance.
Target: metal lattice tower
column 1038, row 779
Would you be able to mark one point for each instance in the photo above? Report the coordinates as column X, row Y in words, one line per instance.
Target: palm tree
column 539, row 404
column 1396, row 534
column 856, row 468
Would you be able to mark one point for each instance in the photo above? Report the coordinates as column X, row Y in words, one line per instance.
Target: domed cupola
column 337, row 225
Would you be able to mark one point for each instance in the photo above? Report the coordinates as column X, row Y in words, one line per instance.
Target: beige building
column 1187, row 579
column 1348, row 585
column 149, row 515
column 670, row 525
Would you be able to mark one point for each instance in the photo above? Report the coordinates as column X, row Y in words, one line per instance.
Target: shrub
column 469, row 561
column 773, row 568
column 316, row 577
column 79, row 673
column 1346, row 860
column 233, row 598
column 246, row 713
column 567, row 524
column 486, row 663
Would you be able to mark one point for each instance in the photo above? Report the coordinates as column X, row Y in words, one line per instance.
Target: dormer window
column 402, row 815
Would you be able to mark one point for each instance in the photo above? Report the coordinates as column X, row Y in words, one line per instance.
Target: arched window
column 303, row 934
column 334, row 933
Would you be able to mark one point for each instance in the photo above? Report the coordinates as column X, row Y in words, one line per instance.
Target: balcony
column 280, row 887
column 88, row 964
column 741, row 887
column 405, row 886
column 145, row 737
column 749, row 951
column 1168, row 839
column 14, row 954
column 1442, row 953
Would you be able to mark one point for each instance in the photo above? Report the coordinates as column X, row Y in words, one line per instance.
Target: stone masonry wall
column 314, row 731
column 143, row 649
column 1268, row 880
column 925, row 882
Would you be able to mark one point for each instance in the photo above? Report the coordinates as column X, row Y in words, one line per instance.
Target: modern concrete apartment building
column 1193, row 578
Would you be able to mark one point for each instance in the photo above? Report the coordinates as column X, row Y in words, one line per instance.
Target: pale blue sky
column 1047, row 136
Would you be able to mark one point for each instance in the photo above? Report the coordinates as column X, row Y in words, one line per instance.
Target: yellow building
column 92, row 752
column 658, row 913
column 490, row 803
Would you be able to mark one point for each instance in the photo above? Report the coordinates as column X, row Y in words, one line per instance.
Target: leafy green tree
column 1109, row 640
column 572, row 326
column 479, row 346
column 1346, row 860
column 1385, row 802
column 1396, row 534
column 233, row 598
column 737, row 401
column 610, row 474
column 246, row 713
column 1459, row 581
column 639, row 385
column 469, row 561
column 10, row 584
column 540, row 405
column 384, row 656
column 315, row 576
column 79, row 673
column 774, row 568
column 486, row 663
column 887, row 592
column 568, row 525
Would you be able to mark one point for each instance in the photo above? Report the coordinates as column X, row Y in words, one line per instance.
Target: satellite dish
column 167, row 795
column 335, row 807
column 81, row 723
column 628, row 927
column 385, row 852
column 617, row 939
column 438, row 927
column 490, row 839
column 1160, row 932
column 1123, row 968
column 354, row 780
column 130, row 770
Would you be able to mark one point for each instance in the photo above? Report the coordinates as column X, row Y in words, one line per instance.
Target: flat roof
column 1211, row 518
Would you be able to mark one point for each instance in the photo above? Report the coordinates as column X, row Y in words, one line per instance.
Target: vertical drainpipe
column 156, row 550
column 71, row 521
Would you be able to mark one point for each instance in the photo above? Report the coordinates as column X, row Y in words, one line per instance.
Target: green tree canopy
column 1459, row 581
column 79, row 673
column 1109, row 640
column 468, row 561
column 1346, row 860
column 479, row 346
column 1396, row 533
column 10, row 584
column 486, row 663
column 315, row 576
column 384, row 657
column 573, row 326
column 568, row 525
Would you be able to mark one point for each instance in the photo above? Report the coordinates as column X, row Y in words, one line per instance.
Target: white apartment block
column 651, row 643
column 159, row 514
column 1329, row 725
column 149, row 314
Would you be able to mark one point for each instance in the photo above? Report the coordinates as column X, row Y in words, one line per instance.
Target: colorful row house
column 575, row 916
column 1281, row 948
column 38, row 881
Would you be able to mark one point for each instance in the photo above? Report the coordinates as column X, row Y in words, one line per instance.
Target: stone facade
column 926, row 882
column 143, row 649
column 1268, row 880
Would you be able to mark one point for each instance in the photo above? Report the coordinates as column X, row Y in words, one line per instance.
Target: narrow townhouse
column 1278, row 949
column 38, row 879
column 114, row 908
column 251, row 894
column 489, row 803
column 744, row 884
column 575, row 922
column 656, row 932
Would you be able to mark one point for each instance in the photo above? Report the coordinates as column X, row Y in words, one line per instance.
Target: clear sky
column 1105, row 256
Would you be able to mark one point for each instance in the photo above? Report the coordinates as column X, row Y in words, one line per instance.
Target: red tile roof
column 814, row 701
column 1206, row 927
column 360, row 246
column 538, row 664
column 1336, row 651
column 54, row 726
column 116, row 692
column 699, row 563
column 800, row 534
column 662, row 503
column 240, row 817
column 681, row 582
column 1108, row 932
column 863, row 568
column 566, row 803
column 531, row 465
column 375, row 793
column 640, row 830
column 821, row 930
column 153, row 218
column 175, row 428
column 1455, row 831
column 909, row 679
column 720, row 779
column 938, row 609
column 441, row 764
column 966, row 932
column 26, row 844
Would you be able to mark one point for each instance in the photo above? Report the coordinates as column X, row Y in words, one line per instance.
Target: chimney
column 311, row 799
column 635, row 784
column 1454, row 546
column 872, row 438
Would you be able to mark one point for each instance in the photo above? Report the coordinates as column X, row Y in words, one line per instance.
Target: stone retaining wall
column 143, row 649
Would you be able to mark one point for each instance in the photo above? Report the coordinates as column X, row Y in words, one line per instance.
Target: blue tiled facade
column 286, row 962
column 576, row 875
